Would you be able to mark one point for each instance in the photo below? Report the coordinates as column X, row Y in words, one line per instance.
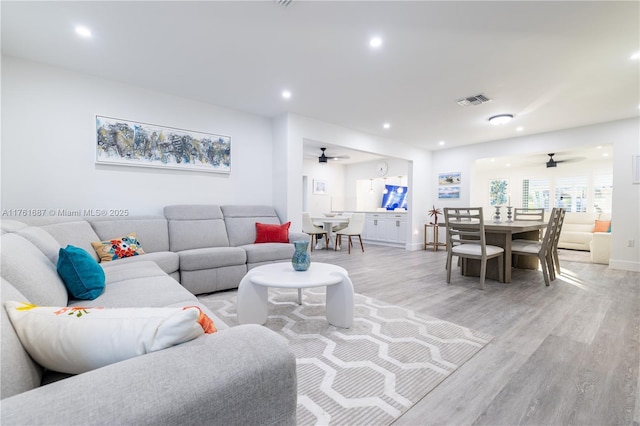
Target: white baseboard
column 624, row 265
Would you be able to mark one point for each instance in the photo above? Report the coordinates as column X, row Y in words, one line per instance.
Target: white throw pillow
column 76, row 339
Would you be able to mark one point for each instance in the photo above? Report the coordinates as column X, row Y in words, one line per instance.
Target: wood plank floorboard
column 567, row 354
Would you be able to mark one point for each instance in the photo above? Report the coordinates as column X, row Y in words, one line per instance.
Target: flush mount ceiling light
column 83, row 32
column 499, row 120
column 375, row 42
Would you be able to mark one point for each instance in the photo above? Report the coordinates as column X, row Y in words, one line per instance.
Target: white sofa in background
column 600, row 247
column 577, row 230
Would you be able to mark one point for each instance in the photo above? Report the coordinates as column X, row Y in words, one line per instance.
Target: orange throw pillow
column 602, row 226
column 205, row 322
column 266, row 233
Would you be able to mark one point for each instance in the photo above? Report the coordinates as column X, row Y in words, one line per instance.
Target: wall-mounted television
column 395, row 197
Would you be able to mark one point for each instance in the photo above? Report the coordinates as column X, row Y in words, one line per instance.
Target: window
column 535, row 194
column 602, row 192
column 571, row 193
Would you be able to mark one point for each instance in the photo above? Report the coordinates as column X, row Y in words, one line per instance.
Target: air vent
column 284, row 3
column 473, row 100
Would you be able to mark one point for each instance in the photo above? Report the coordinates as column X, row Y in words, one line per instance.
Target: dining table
column 501, row 234
column 328, row 224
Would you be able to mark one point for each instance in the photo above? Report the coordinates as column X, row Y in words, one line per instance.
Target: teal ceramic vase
column 301, row 259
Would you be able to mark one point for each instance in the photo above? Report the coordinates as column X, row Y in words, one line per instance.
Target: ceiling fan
column 554, row 163
column 324, row 157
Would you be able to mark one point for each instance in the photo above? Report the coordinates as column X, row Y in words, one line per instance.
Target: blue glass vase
column 301, row 259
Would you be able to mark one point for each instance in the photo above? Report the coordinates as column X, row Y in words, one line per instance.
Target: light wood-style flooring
column 567, row 354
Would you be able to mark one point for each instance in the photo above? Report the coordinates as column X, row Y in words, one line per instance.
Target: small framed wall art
column 320, row 187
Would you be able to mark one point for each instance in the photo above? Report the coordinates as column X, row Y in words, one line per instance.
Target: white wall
column 333, row 174
column 300, row 128
column 49, row 136
column 624, row 135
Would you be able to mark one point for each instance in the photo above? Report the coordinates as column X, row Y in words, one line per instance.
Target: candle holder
column 509, row 215
column 496, row 217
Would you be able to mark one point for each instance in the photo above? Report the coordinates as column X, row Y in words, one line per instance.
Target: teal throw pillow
column 82, row 275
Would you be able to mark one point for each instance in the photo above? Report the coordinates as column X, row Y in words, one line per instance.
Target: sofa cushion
column 79, row 339
column 241, row 220
column 123, row 271
column 118, row 247
column 266, row 233
column 268, row 252
column 213, row 257
column 138, row 284
column 83, row 276
column 31, row 272
column 43, row 240
column 168, row 261
column 195, row 226
column 10, row 225
column 152, row 231
column 77, row 233
column 19, row 373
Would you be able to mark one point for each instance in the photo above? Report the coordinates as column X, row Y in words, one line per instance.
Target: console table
column 435, row 243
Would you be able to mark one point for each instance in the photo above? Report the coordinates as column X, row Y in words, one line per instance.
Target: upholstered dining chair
column 355, row 228
column 341, row 226
column 309, row 228
column 543, row 250
column 466, row 239
column 554, row 250
column 528, row 214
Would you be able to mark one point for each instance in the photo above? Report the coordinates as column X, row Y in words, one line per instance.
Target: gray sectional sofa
column 243, row 375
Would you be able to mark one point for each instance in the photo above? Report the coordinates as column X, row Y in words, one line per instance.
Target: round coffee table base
column 253, row 291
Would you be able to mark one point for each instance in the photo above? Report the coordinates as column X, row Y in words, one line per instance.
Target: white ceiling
column 554, row 65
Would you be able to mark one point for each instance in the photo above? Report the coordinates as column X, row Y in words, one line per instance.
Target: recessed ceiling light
column 519, row 129
column 606, row 154
column 493, row 160
column 508, row 164
column 386, row 125
column 441, row 143
column 499, row 120
column 375, row 42
column 83, row 31
column 599, row 147
column 635, row 56
column 286, row 94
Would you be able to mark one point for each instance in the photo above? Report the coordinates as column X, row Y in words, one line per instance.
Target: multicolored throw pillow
column 75, row 339
column 118, row 248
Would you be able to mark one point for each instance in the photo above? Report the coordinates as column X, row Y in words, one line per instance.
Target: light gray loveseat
column 242, row 375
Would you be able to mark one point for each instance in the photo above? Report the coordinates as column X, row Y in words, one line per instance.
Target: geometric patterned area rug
column 369, row 374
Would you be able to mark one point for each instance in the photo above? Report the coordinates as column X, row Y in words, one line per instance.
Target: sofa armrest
column 245, row 375
column 600, row 247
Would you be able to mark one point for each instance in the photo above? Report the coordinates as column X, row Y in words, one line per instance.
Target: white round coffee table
column 253, row 290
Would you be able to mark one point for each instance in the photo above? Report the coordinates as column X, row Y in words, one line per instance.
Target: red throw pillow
column 266, row 233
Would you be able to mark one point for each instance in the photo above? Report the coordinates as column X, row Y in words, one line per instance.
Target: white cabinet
column 386, row 227
column 396, row 228
column 374, row 226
